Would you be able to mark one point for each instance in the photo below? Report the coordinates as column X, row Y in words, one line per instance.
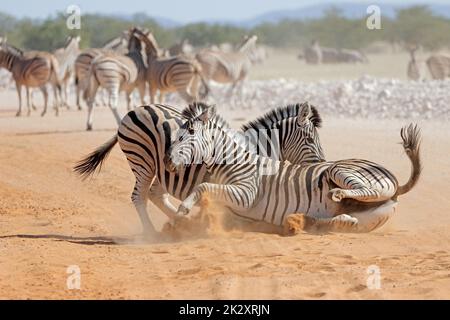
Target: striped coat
column 31, row 69
column 347, row 195
column 174, row 74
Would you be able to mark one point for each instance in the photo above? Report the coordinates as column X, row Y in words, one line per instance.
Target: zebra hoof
column 337, row 194
column 89, row 128
column 182, row 210
column 18, row 114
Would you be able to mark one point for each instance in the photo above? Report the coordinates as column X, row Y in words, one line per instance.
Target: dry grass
column 284, row 64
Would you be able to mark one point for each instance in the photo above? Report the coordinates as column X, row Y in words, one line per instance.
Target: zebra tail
column 411, row 144
column 90, row 82
column 87, row 166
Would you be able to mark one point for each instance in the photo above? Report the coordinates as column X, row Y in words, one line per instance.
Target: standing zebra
column 31, row 70
column 347, row 195
column 66, row 58
column 145, row 134
column 116, row 72
column 439, row 66
column 228, row 67
column 180, row 73
column 83, row 61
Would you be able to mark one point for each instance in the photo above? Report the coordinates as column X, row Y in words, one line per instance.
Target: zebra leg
column 234, row 196
column 28, row 101
column 361, row 194
column 19, row 93
column 45, row 94
column 90, row 102
column 374, row 218
column 33, row 106
column 55, row 98
column 141, row 89
column 139, row 198
column 297, row 222
column 77, row 92
column 354, row 187
column 160, row 198
column 152, row 92
column 113, row 102
column 128, row 94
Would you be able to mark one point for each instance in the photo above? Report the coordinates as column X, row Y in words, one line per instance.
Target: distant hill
column 349, row 10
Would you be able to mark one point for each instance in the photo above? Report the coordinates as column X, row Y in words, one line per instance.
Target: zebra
column 83, row 61
column 228, row 67
column 66, row 58
column 32, row 69
column 439, row 66
column 351, row 195
column 181, row 48
column 116, row 72
column 180, row 73
column 144, row 137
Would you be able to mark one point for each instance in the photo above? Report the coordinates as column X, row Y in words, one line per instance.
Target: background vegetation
column 412, row 25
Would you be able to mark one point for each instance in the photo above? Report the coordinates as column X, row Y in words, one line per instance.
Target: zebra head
column 301, row 143
column 194, row 141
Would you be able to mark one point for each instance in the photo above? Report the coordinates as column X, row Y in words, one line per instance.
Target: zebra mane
column 194, row 110
column 267, row 120
column 11, row 49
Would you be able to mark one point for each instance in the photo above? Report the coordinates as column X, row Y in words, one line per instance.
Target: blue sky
column 178, row 10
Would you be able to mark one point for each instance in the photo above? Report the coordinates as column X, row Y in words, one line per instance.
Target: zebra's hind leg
column 113, row 102
column 19, row 93
column 139, row 198
column 361, row 194
column 45, row 94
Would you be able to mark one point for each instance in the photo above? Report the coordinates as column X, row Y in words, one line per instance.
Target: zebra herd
column 132, row 61
column 438, row 65
column 193, row 155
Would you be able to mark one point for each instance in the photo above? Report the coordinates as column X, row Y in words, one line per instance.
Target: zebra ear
column 207, row 114
column 304, row 114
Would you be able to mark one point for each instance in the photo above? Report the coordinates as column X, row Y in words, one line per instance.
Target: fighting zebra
column 66, row 58
column 347, row 195
column 83, row 61
column 115, row 72
column 180, row 73
column 228, row 67
column 439, row 66
column 145, row 134
column 31, row 69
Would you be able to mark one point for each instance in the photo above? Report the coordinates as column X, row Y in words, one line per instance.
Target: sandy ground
column 50, row 220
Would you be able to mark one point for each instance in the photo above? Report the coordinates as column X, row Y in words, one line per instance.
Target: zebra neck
column 7, row 61
column 229, row 151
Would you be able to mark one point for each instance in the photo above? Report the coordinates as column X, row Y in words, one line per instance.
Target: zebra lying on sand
column 347, row 195
column 144, row 135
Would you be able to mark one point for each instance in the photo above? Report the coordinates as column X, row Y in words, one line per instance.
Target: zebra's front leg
column 297, row 222
column 160, row 198
column 235, row 196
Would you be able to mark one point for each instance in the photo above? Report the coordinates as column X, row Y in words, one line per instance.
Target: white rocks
column 365, row 97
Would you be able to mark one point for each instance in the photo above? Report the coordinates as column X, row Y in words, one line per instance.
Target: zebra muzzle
column 168, row 163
